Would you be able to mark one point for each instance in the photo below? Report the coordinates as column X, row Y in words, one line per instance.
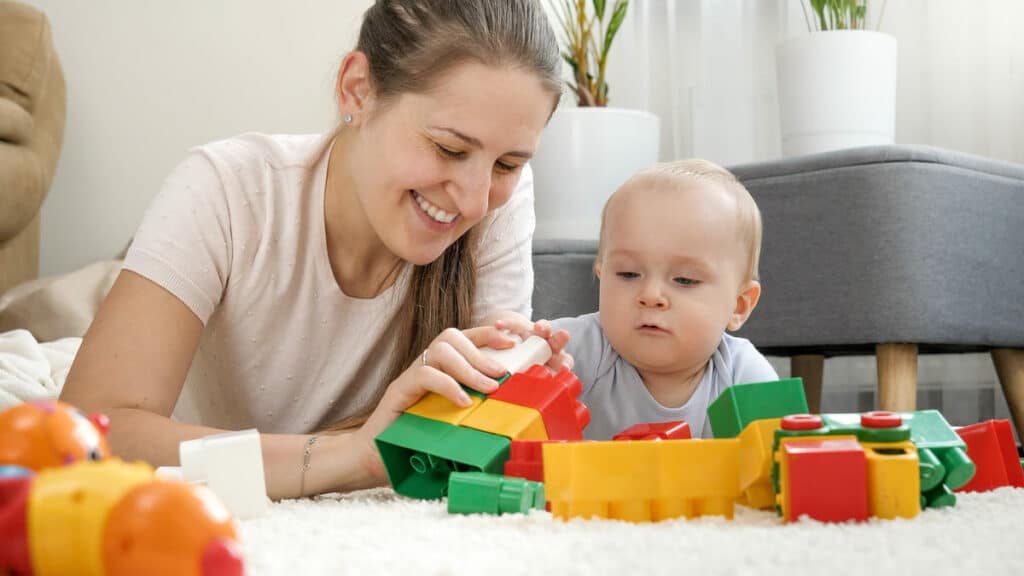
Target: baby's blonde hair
column 701, row 171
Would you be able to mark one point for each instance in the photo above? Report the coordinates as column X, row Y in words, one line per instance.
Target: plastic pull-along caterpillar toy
column 66, row 507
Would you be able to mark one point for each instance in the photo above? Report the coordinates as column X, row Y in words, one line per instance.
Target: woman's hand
column 453, row 357
column 522, row 326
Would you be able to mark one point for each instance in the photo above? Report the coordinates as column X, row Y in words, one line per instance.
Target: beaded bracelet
column 306, row 453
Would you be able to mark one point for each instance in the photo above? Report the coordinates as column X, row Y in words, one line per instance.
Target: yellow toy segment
column 507, row 419
column 894, row 480
column 755, row 463
column 601, row 479
column 642, row 481
column 437, row 407
column 782, row 498
column 67, row 513
column 698, row 478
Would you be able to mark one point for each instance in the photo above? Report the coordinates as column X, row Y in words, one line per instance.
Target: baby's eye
column 627, row 275
column 684, row 281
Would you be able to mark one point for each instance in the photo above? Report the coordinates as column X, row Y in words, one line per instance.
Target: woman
column 299, row 276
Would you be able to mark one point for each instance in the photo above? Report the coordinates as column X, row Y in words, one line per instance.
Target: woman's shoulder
column 259, row 150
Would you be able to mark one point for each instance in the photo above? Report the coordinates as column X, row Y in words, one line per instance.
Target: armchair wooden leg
column 897, row 376
column 809, row 367
column 1010, row 369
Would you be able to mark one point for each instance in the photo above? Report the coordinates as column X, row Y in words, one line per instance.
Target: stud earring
column 348, row 118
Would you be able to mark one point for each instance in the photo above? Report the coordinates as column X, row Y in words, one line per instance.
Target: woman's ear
column 746, row 301
column 354, row 88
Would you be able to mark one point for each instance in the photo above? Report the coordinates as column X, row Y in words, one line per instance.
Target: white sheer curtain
column 707, row 68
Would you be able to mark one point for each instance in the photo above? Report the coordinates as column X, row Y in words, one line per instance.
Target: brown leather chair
column 32, row 113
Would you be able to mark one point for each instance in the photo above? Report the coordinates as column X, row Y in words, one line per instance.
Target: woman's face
column 429, row 166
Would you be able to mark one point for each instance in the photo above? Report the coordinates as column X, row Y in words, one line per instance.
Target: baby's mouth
column 432, row 210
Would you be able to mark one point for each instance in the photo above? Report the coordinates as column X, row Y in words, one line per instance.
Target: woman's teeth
column 436, row 213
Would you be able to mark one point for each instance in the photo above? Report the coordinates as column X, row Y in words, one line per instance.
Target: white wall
column 148, row 80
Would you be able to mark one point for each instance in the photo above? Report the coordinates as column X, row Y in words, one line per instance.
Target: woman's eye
column 505, row 167
column 448, row 152
column 683, row 281
column 627, row 275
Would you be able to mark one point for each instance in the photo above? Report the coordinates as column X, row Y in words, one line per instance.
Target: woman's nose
column 470, row 188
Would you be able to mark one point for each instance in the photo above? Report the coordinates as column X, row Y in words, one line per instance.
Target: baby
column 677, row 259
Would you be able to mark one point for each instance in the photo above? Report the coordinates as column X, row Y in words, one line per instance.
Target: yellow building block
column 507, row 419
column 755, row 463
column 601, row 479
column 894, row 480
column 642, row 481
column 437, row 407
column 782, row 498
column 697, row 478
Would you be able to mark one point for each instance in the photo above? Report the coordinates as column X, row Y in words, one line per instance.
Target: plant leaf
column 618, row 15
column 599, row 9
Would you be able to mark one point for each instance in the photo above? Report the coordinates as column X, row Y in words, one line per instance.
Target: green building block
column 483, row 493
column 419, row 454
column 741, row 404
column 945, row 465
column 850, row 424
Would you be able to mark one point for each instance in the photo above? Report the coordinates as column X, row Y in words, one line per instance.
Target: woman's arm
column 134, row 359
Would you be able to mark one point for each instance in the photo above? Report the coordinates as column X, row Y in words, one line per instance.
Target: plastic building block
column 111, row 518
column 419, row 454
column 642, row 480
column 741, row 404
column 230, row 464
column 894, row 481
column 553, row 396
column 510, row 420
column 877, row 426
column 944, row 463
column 991, row 447
column 483, row 493
column 437, row 407
column 48, row 434
column 755, row 466
column 526, row 460
column 824, row 478
column 534, row 350
column 678, row 430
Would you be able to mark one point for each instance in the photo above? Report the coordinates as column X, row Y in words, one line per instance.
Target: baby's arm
column 521, row 326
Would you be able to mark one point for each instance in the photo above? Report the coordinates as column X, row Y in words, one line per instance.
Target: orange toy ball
column 168, row 528
column 40, row 435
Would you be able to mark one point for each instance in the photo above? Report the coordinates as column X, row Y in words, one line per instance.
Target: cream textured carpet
column 378, row 532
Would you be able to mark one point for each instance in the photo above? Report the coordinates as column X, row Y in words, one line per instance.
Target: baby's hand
column 521, row 326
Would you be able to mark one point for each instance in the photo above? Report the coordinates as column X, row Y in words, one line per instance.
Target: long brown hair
column 410, row 44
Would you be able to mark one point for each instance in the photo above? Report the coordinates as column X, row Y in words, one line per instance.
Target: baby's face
column 671, row 269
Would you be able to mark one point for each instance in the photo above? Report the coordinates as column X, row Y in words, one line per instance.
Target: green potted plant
column 837, row 84
column 589, row 149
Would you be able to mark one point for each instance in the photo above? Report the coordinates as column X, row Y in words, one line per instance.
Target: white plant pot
column 837, row 89
column 583, row 156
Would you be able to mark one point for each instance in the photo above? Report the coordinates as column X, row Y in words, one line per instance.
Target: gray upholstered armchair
column 889, row 250
column 32, row 100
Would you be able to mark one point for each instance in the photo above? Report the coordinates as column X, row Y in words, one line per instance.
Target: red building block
column 827, row 480
column 526, row 460
column 553, row 396
column 990, row 445
column 678, row 430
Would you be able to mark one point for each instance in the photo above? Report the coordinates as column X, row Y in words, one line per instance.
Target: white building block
column 523, row 355
column 230, row 464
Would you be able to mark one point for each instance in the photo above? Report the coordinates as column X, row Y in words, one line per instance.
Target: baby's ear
column 597, row 268
column 746, row 301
